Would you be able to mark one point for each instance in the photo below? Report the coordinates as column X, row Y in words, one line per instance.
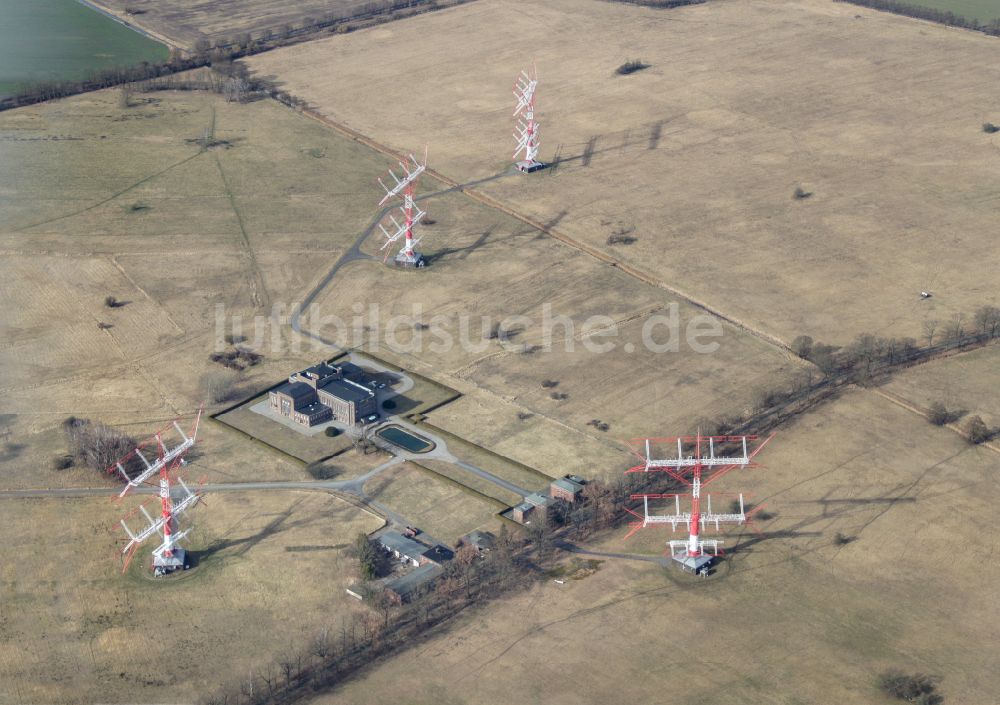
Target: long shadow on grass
column 245, row 544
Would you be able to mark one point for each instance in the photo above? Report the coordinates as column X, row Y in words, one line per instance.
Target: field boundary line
column 258, row 291
column 133, row 282
column 110, row 198
column 141, row 28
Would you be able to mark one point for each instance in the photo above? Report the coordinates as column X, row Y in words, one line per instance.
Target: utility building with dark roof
column 323, row 392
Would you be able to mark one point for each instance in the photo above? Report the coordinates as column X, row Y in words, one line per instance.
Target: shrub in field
column 95, row 445
column 938, row 414
column 62, row 462
column 977, row 430
column 916, row 688
column 631, row 66
column 802, row 346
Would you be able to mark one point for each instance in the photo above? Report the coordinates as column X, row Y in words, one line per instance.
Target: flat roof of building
column 567, row 484
column 406, row 585
column 347, row 390
column 439, row 553
column 349, row 368
column 482, row 539
column 296, row 390
column 321, row 370
column 395, row 541
column 539, row 500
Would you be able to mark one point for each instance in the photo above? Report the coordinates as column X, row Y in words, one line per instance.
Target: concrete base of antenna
column 165, row 565
column 694, row 564
column 526, row 167
column 405, row 260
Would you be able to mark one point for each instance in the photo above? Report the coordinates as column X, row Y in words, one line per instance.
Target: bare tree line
column 334, row 652
column 931, row 14
column 333, row 655
column 209, row 53
column 662, row 4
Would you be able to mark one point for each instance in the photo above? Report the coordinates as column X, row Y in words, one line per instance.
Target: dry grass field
column 436, row 506
column 473, row 482
column 523, row 476
column 307, row 448
column 107, row 201
column 878, row 116
column 487, row 269
column 220, row 455
column 122, row 202
column 963, row 383
column 870, row 559
column 792, row 618
column 186, row 22
column 74, row 630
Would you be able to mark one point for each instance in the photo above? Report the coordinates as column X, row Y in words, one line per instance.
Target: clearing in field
column 797, row 615
column 876, row 117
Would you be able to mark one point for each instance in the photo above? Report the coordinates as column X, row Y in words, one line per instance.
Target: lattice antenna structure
column 175, row 498
column 404, row 185
column 699, row 461
column 165, row 456
column 526, row 128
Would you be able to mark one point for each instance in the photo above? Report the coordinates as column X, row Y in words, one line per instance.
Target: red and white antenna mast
column 526, row 129
column 404, row 185
column 168, row 556
column 700, row 460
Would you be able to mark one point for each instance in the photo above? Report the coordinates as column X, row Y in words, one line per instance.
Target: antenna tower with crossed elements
column 138, row 469
column 526, row 129
column 699, row 461
column 404, row 185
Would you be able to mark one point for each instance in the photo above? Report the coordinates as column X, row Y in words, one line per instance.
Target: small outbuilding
column 414, row 583
column 534, row 504
column 437, row 554
column 405, row 549
column 484, row 541
column 566, row 489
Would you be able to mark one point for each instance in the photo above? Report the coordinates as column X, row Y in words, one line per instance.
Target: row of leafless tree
column 929, row 13
column 868, row 354
column 333, row 653
column 663, row 4
column 332, row 657
column 866, row 360
column 208, row 53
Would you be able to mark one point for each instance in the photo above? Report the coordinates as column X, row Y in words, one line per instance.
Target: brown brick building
column 569, row 488
column 323, row 392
